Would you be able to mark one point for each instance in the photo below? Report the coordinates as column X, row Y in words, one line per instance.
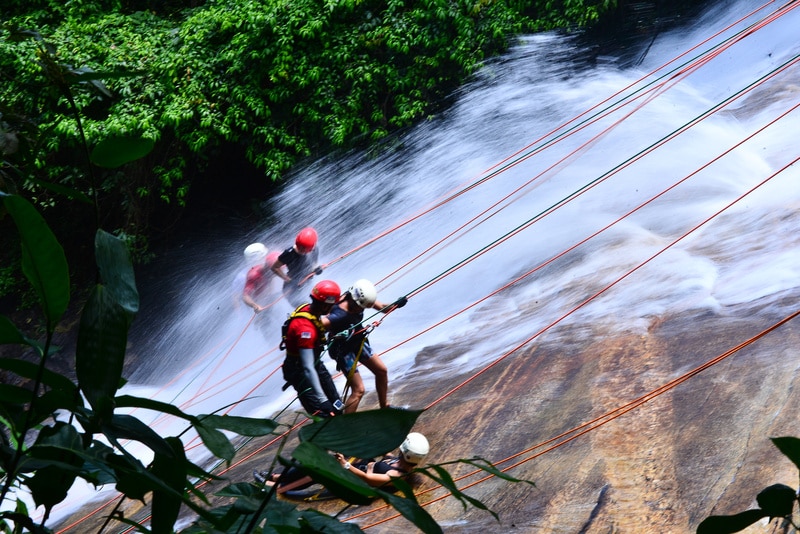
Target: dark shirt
column 341, row 320
column 298, row 266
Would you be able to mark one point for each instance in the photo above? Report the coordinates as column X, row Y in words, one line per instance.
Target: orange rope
column 589, row 426
column 398, row 226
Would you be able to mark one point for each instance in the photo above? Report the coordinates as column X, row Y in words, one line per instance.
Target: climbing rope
column 467, row 260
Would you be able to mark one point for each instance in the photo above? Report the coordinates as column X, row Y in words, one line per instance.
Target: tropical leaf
column 30, row 370
column 777, row 500
column 43, row 260
column 49, row 485
column 219, row 445
column 244, row 426
column 790, row 447
column 727, row 524
column 319, row 522
column 122, row 426
column 10, row 334
column 364, row 434
column 326, row 470
column 114, row 152
column 14, row 394
column 100, row 350
column 411, row 510
column 116, row 270
column 167, row 504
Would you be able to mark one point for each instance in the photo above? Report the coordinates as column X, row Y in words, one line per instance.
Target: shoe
column 261, row 476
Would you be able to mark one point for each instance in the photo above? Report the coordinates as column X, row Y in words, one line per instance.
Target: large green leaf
column 29, row 370
column 219, row 445
column 114, row 152
column 777, row 500
column 129, row 401
column 249, row 498
column 60, row 443
column 43, row 260
column 326, row 470
column 14, row 394
column 116, row 270
column 123, row 426
column 10, row 334
column 132, row 480
column 411, row 510
column 320, row 522
column 167, row 504
column 244, row 426
column 100, row 351
column 364, row 434
column 790, row 447
column 727, row 524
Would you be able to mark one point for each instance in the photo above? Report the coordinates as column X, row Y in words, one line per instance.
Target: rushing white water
column 203, row 356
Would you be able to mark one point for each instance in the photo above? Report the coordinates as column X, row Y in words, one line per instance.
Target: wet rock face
column 661, row 466
column 698, row 449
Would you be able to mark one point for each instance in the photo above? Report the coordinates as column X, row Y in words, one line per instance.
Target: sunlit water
column 201, row 355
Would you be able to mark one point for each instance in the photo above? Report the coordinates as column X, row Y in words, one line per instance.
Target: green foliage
column 282, row 79
column 775, row 501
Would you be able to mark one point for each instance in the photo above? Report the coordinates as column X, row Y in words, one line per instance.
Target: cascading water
column 540, row 152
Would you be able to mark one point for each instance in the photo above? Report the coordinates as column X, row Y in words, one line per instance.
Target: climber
column 304, row 340
column 301, row 264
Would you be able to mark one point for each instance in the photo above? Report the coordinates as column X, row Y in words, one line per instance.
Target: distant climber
column 260, row 275
column 301, row 264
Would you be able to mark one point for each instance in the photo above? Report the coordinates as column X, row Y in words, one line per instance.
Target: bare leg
column 356, row 392
column 378, row 368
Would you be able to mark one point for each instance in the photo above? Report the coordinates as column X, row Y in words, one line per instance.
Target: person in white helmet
column 380, row 473
column 413, row 452
column 259, row 276
column 350, row 346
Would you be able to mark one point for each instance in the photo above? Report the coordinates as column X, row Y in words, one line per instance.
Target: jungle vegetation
column 265, row 83
column 109, row 112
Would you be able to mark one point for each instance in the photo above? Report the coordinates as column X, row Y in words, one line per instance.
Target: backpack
column 298, row 313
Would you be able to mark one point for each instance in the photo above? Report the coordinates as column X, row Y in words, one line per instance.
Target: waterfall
column 605, row 193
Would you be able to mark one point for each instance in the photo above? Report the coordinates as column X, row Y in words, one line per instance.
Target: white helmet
column 363, row 293
column 415, row 448
column 255, row 254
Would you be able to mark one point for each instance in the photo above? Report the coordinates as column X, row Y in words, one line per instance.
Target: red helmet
column 306, row 240
column 326, row 291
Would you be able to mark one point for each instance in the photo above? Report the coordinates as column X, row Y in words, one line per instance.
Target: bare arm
column 276, row 268
column 247, row 299
column 371, row 478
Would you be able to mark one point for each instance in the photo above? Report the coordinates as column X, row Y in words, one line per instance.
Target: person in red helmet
column 259, row 276
column 301, row 263
column 304, row 341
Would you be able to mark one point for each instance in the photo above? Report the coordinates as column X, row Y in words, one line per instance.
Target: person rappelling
column 304, row 341
column 349, row 344
column 301, row 264
column 259, row 276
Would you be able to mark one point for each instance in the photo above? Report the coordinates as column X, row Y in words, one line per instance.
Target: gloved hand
column 318, row 270
column 332, row 408
column 399, row 303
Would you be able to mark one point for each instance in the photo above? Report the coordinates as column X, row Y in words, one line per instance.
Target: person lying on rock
column 412, row 452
